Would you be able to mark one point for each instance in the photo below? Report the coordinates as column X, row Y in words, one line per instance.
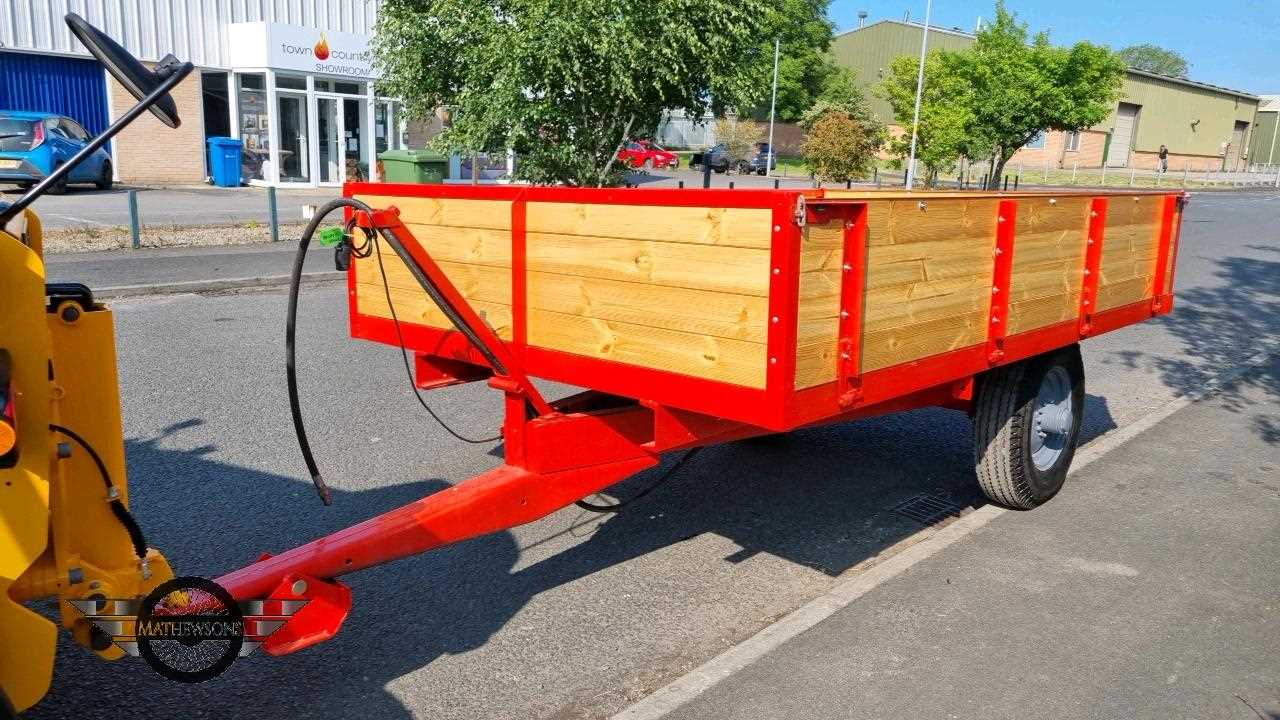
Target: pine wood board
column 701, row 356
column 742, row 271
column 900, row 222
column 413, row 306
column 732, row 227
column 1035, row 313
column 451, row 212
column 894, row 346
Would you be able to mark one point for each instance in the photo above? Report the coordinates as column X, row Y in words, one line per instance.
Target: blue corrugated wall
column 48, row 83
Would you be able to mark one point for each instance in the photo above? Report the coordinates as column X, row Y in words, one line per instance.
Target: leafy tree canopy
column 946, row 111
column 839, row 148
column 1009, row 86
column 804, row 67
column 565, row 83
column 1155, row 59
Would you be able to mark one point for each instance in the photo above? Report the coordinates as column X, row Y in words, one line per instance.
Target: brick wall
column 148, row 152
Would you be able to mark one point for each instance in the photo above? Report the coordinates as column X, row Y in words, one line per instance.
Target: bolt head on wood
column 848, row 267
column 844, row 314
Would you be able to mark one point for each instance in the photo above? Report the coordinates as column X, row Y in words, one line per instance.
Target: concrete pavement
column 87, row 207
column 168, row 266
column 1147, row 590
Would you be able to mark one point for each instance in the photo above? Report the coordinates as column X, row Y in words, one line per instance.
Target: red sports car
column 645, row 154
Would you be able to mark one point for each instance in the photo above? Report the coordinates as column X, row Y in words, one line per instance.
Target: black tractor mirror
column 125, row 68
column 151, row 88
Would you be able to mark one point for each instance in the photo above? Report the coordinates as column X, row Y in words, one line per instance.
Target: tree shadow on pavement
column 1219, row 327
column 821, row 498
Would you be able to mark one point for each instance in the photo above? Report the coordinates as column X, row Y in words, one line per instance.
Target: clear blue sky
column 1235, row 43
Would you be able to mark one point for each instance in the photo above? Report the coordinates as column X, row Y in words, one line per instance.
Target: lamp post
column 773, row 106
column 915, row 122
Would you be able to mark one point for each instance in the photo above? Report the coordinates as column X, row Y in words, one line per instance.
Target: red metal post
column 519, row 277
column 784, row 302
column 1167, row 213
column 852, row 295
column 998, row 318
column 1092, row 264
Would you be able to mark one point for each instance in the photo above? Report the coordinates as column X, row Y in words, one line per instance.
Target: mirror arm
column 175, row 76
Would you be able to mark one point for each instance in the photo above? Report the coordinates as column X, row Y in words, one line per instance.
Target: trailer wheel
column 1026, row 424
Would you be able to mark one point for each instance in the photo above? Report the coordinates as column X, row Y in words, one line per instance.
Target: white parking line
column 868, row 576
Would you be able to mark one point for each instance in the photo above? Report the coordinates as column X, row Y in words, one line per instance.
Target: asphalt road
column 573, row 616
column 1150, row 592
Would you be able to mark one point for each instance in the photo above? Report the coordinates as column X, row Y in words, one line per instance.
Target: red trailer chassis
column 559, row 452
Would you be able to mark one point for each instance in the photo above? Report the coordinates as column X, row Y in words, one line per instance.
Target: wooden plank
column 475, row 282
column 733, row 227
column 1125, row 292
column 452, row 212
column 894, row 346
column 904, row 305
column 703, row 356
column 413, row 306
column 1129, row 251
column 903, row 221
column 1035, row 313
column 724, row 315
column 742, row 271
column 477, row 246
column 815, row 363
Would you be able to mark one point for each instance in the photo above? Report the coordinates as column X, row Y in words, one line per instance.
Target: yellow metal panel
column 27, row 640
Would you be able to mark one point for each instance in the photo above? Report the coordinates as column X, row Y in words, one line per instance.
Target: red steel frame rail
column 566, row 450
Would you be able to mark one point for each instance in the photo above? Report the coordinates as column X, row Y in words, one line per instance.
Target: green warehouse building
column 1205, row 127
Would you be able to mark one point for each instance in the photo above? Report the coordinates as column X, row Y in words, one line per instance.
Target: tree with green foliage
column 841, row 92
column 942, row 135
column 1008, row 88
column 839, row 148
column 1155, row 59
column 566, row 84
column 804, row 67
column 1019, row 88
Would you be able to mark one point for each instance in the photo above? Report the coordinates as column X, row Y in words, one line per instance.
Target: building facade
column 1264, row 148
column 292, row 79
column 1204, row 127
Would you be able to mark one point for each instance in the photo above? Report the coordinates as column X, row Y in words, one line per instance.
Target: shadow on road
column 779, row 496
column 1220, row 326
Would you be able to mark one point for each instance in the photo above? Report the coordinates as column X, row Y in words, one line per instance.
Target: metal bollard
column 706, row 169
column 730, row 184
column 273, row 214
column 848, row 184
column 135, row 227
column 1006, row 184
column 776, row 183
column 681, row 184
column 1016, row 178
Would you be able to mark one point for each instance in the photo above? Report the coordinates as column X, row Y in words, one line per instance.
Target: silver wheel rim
column 1052, row 420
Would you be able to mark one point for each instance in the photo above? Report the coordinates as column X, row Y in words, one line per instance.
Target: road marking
column 73, row 218
column 701, row 679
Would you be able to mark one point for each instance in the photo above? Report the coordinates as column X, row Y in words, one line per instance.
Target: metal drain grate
column 927, row 509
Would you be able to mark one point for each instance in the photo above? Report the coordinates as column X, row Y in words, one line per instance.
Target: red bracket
column 327, row 604
column 852, row 295
column 1092, row 264
column 998, row 318
column 1167, row 214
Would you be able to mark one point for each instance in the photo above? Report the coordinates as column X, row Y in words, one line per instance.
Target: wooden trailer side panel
column 1048, row 261
column 471, row 239
column 680, row 289
column 1130, row 248
column 928, row 282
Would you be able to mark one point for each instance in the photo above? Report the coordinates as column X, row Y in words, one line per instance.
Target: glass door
column 295, row 155
column 329, row 140
column 353, row 135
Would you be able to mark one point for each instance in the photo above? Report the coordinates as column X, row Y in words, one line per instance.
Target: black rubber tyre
column 104, row 177
column 1005, row 420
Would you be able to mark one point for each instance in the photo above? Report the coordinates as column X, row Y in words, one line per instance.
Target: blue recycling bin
column 224, row 161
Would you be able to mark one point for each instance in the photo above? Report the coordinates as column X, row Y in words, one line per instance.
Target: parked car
column 717, row 156
column 760, row 163
column 32, row 144
column 646, row 154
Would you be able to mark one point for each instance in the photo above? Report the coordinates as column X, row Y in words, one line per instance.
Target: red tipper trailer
column 697, row 317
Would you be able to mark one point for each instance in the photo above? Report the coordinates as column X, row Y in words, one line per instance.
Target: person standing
column 1164, row 159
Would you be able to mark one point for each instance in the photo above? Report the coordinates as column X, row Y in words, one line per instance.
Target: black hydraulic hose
column 113, row 496
column 290, row 336
column 291, row 322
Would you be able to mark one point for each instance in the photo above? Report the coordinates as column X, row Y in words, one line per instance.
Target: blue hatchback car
column 32, row 144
